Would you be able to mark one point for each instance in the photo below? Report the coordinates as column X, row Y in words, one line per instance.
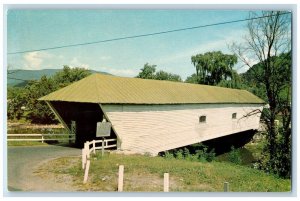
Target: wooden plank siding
column 156, row 128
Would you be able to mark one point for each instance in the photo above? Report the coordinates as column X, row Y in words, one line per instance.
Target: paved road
column 22, row 161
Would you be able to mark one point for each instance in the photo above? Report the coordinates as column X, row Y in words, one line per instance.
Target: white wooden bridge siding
column 155, row 128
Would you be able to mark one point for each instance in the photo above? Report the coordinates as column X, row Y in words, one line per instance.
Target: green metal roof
column 99, row 88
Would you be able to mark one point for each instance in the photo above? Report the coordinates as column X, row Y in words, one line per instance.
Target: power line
column 144, row 35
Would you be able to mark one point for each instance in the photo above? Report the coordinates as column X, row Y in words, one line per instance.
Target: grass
column 24, row 143
column 143, row 173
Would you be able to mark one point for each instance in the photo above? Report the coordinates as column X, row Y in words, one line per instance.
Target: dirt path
column 23, row 164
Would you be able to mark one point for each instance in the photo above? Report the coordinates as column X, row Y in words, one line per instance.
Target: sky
column 36, row 29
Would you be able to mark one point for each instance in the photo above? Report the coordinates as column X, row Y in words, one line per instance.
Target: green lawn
column 143, row 173
column 25, row 143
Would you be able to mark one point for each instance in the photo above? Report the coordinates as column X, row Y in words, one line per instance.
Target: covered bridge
column 151, row 115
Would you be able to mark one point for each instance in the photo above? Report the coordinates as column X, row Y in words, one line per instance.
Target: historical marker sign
column 103, row 129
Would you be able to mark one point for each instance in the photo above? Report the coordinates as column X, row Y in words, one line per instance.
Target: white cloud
column 216, row 45
column 76, row 63
column 119, row 72
column 34, row 60
column 105, row 58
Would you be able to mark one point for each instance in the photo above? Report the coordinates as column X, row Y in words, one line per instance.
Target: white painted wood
column 102, row 149
column 86, row 149
column 86, row 172
column 28, row 135
column 166, row 182
column 155, row 128
column 121, row 178
column 108, row 146
column 41, row 139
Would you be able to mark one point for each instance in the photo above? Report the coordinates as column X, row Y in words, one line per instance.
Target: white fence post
column 87, row 149
column 102, row 147
column 121, row 178
column 166, row 182
column 86, row 172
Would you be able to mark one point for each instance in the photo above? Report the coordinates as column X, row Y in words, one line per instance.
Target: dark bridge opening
column 223, row 144
column 86, row 116
column 219, row 145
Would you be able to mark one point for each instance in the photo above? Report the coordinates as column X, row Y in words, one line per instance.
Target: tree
column 193, row 79
column 38, row 111
column 16, row 101
column 69, row 75
column 234, row 82
column 162, row 75
column 268, row 38
column 149, row 72
column 213, row 67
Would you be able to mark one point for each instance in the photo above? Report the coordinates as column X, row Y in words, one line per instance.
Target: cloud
column 34, row 60
column 216, row 45
column 76, row 63
column 105, row 58
column 120, row 72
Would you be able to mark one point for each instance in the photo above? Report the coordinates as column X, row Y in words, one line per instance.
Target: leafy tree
column 162, row 75
column 213, row 67
column 16, row 102
column 38, row 111
column 149, row 72
column 193, row 79
column 69, row 75
column 267, row 39
column 234, row 82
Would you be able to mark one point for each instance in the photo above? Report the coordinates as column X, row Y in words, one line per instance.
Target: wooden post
column 94, row 147
column 86, row 172
column 102, row 150
column 73, row 131
column 121, row 178
column 226, row 186
column 87, row 149
column 166, row 182
column 83, row 158
column 42, row 138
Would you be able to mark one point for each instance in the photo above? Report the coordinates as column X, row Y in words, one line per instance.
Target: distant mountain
column 16, row 77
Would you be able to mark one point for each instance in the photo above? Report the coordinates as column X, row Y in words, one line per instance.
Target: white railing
column 40, row 137
column 87, row 150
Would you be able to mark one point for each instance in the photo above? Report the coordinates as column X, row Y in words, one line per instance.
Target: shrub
column 235, row 156
column 179, row 154
column 200, row 151
column 168, row 155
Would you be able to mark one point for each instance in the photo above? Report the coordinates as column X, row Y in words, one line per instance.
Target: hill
column 17, row 77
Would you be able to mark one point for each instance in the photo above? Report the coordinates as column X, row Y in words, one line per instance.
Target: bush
column 169, row 155
column 235, row 156
column 281, row 163
column 197, row 152
column 179, row 154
